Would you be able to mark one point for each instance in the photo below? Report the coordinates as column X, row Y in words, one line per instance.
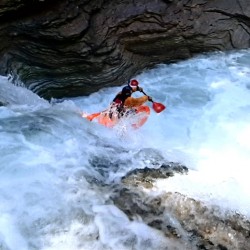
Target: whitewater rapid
column 57, row 168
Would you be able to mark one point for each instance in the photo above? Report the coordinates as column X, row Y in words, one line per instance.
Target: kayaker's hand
column 150, row 99
column 139, row 89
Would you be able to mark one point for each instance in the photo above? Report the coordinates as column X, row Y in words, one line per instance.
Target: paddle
column 157, row 107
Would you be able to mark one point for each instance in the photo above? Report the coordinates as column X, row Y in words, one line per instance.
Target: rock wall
column 65, row 48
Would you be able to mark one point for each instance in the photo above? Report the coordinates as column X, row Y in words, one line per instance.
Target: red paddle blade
column 158, row 107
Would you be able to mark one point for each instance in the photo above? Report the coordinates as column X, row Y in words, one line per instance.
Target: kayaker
column 124, row 103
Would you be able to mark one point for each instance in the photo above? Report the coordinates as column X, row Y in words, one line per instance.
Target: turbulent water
column 57, row 169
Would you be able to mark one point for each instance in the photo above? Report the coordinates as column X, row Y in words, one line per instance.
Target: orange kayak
column 137, row 118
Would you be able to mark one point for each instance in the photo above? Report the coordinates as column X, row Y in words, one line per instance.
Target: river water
column 57, row 168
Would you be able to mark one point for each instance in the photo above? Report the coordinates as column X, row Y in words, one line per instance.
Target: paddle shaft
column 146, row 95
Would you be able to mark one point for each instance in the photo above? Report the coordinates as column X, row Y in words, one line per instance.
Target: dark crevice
column 27, row 9
column 239, row 17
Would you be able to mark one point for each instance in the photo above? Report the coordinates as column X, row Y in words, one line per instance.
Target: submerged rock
column 72, row 48
column 146, row 176
column 2, row 103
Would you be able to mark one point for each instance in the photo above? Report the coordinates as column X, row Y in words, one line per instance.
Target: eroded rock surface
column 71, row 48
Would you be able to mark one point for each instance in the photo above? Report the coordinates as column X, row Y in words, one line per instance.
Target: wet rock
column 71, row 48
column 146, row 176
column 1, row 103
column 208, row 223
column 191, row 222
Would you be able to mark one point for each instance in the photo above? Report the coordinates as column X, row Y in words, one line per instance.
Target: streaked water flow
column 56, row 168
